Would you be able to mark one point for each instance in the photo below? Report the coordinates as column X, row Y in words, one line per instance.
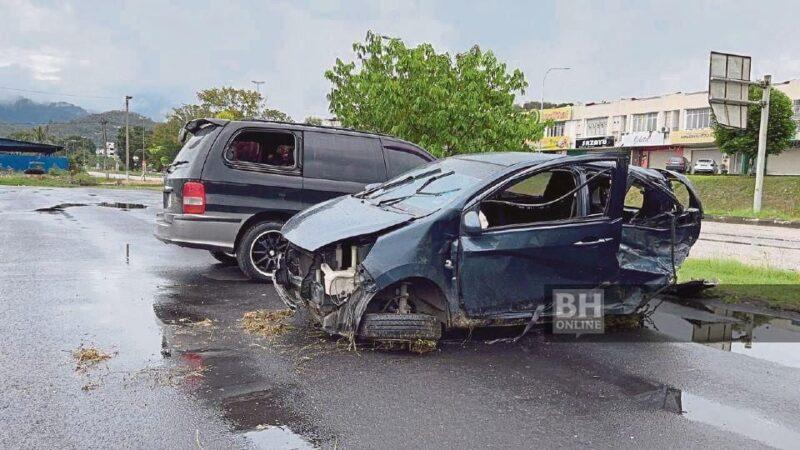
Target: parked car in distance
column 484, row 240
column 234, row 183
column 705, row 165
column 35, row 168
column 678, row 164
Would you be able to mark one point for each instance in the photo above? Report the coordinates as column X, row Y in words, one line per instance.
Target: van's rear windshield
column 190, row 149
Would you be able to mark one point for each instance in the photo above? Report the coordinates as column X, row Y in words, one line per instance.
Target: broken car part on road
column 483, row 239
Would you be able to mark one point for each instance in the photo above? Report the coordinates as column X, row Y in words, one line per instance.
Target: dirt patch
column 267, row 323
column 88, row 357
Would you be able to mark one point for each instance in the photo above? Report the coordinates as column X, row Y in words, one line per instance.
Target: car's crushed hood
column 341, row 218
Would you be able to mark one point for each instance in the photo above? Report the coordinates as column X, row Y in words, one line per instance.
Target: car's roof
column 321, row 128
column 509, row 158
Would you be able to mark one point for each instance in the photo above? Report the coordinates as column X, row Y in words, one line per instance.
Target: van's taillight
column 194, row 198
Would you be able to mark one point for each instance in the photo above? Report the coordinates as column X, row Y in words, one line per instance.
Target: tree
column 447, row 104
column 223, row 103
column 39, row 134
column 137, row 133
column 311, row 120
column 780, row 131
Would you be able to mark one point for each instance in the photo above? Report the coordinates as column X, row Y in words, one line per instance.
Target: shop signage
column 557, row 114
column 554, row 143
column 642, row 139
column 595, row 142
column 699, row 136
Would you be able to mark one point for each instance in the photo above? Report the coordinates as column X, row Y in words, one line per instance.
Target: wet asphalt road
column 177, row 380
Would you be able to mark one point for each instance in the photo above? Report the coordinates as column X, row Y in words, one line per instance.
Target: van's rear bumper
column 207, row 232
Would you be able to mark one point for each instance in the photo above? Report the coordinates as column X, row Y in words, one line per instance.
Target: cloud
column 164, row 52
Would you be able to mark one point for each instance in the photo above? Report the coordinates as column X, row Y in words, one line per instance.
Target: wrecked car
column 483, row 239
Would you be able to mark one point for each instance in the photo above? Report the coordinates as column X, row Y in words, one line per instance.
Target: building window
column 556, row 130
column 596, row 126
column 698, row 118
column 671, row 119
column 644, row 122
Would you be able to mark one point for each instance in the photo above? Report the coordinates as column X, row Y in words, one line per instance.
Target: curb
column 753, row 221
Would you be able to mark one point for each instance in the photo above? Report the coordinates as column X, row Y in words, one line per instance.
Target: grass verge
column 732, row 195
column 69, row 180
column 740, row 282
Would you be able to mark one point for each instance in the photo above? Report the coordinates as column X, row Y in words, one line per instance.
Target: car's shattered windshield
column 422, row 190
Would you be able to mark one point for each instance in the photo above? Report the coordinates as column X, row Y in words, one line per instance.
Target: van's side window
column 341, row 157
column 400, row 160
column 269, row 148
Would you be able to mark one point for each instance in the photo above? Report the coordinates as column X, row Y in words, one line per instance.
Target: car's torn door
column 657, row 234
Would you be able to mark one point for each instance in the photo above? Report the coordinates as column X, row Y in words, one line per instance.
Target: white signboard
column 642, row 139
column 728, row 87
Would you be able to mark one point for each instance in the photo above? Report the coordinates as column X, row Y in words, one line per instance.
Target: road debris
column 87, row 357
column 267, row 323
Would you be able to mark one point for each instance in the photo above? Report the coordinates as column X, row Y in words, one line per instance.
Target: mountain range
column 64, row 119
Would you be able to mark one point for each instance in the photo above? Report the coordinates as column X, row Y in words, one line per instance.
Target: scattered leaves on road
column 87, row 357
column 267, row 323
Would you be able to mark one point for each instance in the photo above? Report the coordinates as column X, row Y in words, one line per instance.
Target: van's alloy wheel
column 260, row 250
column 403, row 327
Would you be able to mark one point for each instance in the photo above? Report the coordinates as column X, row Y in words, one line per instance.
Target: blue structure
column 18, row 155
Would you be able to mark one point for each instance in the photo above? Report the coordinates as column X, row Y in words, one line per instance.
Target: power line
column 31, row 91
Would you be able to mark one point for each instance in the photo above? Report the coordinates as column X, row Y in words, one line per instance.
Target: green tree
column 447, row 104
column 40, row 134
column 137, row 134
column 780, row 131
column 223, row 103
column 311, row 120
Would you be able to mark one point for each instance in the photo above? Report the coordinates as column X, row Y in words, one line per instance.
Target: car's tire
column 225, row 258
column 400, row 327
column 259, row 249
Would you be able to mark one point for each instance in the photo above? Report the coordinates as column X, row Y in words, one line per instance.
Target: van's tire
column 225, row 258
column 259, row 249
column 400, row 327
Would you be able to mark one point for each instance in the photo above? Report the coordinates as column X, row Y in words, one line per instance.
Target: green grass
column 67, row 180
column 733, row 196
column 741, row 282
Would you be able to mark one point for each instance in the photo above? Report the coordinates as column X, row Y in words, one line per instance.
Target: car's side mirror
column 472, row 223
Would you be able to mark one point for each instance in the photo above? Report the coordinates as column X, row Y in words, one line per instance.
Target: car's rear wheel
column 260, row 249
column 400, row 327
column 228, row 259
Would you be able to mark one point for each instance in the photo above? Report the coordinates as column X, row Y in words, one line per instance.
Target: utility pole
column 761, row 160
column 103, row 123
column 127, row 139
column 144, row 158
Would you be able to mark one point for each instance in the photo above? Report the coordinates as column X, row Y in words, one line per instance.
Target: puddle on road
column 59, row 208
column 740, row 421
column 733, row 328
column 122, row 206
column 63, row 206
column 256, row 405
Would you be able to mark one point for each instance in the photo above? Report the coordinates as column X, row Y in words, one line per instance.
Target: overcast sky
column 163, row 52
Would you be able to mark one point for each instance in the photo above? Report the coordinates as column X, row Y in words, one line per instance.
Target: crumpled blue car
column 483, row 240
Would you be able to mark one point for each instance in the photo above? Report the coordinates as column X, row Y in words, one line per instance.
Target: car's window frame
column 495, row 186
column 296, row 169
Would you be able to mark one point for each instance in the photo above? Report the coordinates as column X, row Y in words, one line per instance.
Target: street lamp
column 258, row 84
column 541, row 105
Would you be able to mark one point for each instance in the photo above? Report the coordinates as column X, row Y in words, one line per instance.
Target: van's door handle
column 167, row 189
column 595, row 242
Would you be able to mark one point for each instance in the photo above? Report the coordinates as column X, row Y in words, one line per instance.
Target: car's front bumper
column 207, row 232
